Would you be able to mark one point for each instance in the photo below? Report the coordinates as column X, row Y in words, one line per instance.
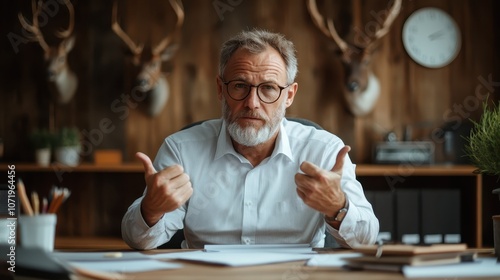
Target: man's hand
column 320, row 189
column 166, row 190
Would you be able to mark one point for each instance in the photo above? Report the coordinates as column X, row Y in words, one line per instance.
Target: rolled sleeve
column 138, row 235
column 356, row 228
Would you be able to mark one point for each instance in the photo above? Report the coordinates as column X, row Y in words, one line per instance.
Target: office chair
column 176, row 240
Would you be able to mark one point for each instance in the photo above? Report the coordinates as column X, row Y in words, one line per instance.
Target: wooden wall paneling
column 198, row 65
column 480, row 56
column 411, row 94
column 496, row 43
column 311, row 68
column 114, row 193
column 105, row 79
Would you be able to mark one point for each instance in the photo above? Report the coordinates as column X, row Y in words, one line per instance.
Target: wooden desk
column 283, row 271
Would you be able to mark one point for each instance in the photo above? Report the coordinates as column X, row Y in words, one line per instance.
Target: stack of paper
column 244, row 255
column 395, row 256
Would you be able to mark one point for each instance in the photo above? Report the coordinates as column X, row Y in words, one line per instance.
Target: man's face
column 251, row 121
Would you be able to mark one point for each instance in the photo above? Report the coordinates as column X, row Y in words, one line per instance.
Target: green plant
column 41, row 139
column 67, row 137
column 483, row 143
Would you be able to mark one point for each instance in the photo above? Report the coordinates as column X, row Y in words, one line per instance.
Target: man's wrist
column 340, row 215
column 148, row 218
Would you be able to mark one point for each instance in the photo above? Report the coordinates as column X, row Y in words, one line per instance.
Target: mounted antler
column 361, row 86
column 59, row 74
column 150, row 79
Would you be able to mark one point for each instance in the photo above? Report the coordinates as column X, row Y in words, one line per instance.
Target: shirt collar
column 225, row 145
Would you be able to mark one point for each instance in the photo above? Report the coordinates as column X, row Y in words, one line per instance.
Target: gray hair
column 256, row 41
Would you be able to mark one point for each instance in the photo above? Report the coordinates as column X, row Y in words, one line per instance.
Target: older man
column 251, row 177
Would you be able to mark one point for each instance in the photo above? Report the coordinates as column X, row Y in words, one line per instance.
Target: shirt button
column 247, row 241
column 248, row 203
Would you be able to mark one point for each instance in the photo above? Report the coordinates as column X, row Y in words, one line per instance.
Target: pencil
column 57, row 195
column 45, row 204
column 35, row 202
column 65, row 194
column 25, row 202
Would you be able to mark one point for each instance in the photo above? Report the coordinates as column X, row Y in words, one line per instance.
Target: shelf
column 361, row 169
column 84, row 167
column 410, row 170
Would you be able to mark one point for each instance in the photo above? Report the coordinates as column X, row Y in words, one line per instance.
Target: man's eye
column 268, row 87
column 240, row 86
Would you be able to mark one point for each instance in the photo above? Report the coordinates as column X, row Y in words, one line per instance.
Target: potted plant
column 41, row 141
column 483, row 149
column 68, row 146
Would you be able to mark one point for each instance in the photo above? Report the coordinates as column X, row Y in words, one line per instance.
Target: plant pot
column 42, row 156
column 496, row 234
column 69, row 156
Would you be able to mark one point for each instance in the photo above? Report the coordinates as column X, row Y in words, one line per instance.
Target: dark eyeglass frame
column 250, row 86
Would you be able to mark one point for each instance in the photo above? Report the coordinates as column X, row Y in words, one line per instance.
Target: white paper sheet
column 331, row 260
column 235, row 258
column 124, row 266
column 275, row 248
column 482, row 267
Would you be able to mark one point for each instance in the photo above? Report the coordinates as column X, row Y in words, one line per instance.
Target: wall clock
column 431, row 37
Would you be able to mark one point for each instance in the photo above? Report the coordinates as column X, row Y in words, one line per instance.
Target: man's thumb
column 146, row 161
column 339, row 163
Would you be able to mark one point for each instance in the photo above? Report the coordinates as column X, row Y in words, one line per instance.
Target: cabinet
column 417, row 199
column 102, row 193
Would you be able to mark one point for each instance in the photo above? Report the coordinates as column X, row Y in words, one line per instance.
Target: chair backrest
column 305, row 122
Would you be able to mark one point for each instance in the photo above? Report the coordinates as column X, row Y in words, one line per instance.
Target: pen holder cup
column 38, row 231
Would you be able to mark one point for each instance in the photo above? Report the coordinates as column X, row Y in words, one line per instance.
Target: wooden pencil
column 25, row 202
column 35, row 202
column 57, row 197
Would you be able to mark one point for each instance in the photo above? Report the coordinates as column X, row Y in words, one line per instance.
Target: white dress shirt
column 234, row 202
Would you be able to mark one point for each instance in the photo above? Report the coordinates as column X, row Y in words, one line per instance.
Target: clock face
column 431, row 37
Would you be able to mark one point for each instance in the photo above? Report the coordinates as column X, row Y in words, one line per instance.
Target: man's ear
column 220, row 87
column 292, row 90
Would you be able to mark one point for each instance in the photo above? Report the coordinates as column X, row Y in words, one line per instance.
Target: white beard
column 251, row 136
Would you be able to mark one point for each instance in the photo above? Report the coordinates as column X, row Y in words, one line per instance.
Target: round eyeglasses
column 267, row 92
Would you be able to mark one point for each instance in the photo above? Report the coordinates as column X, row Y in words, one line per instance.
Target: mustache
column 250, row 114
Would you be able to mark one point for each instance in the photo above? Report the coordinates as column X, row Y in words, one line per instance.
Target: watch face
column 431, row 37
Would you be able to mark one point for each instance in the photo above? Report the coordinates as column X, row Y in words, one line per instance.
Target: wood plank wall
column 412, row 95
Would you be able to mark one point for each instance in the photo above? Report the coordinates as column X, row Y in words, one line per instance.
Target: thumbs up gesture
column 320, row 189
column 166, row 190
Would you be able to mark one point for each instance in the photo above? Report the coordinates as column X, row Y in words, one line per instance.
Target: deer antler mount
column 361, row 87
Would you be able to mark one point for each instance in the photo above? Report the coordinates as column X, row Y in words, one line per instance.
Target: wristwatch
column 340, row 215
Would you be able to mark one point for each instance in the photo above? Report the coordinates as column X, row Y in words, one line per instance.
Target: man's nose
column 252, row 100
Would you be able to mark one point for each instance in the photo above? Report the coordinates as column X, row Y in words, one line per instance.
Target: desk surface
column 191, row 271
column 282, row 271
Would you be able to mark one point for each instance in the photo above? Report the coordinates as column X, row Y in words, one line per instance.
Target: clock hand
column 436, row 35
